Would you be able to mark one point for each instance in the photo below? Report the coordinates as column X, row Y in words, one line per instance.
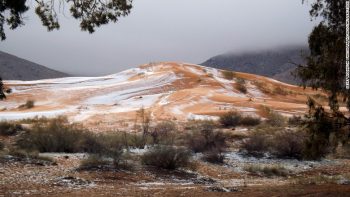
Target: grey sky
column 163, row 30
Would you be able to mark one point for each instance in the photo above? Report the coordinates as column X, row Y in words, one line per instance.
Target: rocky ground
column 62, row 178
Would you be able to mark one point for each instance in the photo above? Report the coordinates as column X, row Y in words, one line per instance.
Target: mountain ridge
column 275, row 63
column 16, row 68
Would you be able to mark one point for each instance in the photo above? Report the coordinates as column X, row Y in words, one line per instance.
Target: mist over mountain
column 276, row 63
column 15, row 68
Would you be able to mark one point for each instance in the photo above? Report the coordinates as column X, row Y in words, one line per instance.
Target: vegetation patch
column 9, row 128
column 167, row 157
column 267, row 170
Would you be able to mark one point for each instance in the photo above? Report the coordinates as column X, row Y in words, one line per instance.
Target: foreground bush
column 56, row 135
column 2, row 145
column 167, row 157
column 8, row 128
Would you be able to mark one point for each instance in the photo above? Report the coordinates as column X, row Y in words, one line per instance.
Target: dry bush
column 2, row 145
column 206, row 139
column 289, row 144
column 295, row 120
column 262, row 87
column 56, row 135
column 249, row 121
column 230, row 119
column 9, row 128
column 256, row 145
column 269, row 171
column 240, row 85
column 28, row 105
column 167, row 157
column 229, row 75
column 280, row 91
column 163, row 132
column 94, row 162
column 274, row 118
column 214, row 156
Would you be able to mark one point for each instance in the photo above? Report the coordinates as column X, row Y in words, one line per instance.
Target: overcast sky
column 162, row 30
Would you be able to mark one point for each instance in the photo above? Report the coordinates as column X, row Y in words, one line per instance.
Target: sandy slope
column 167, row 90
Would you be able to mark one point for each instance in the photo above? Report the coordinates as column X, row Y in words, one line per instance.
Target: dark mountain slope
column 270, row 63
column 15, row 68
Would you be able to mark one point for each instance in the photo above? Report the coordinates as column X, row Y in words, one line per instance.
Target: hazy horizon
column 163, row 30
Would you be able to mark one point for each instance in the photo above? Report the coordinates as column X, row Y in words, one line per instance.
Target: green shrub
column 249, row 121
column 230, row 119
column 9, row 128
column 166, row 157
column 227, row 74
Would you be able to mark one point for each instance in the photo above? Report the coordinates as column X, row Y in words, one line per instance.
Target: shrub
column 206, row 139
column 274, row 170
column 240, row 85
column 228, row 74
column 94, row 162
column 8, row 90
column 2, row 145
column 28, row 105
column 8, row 128
column 274, row 118
column 249, row 121
column 214, row 156
column 230, row 119
column 57, row 135
column 256, row 145
column 163, row 133
column 280, row 91
column 166, row 157
column 289, row 144
column 295, row 120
